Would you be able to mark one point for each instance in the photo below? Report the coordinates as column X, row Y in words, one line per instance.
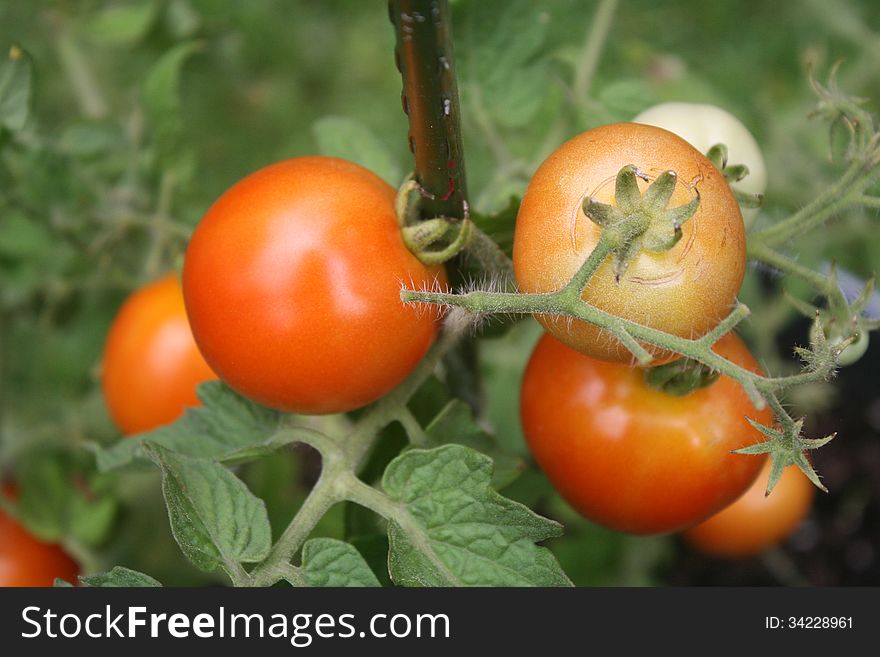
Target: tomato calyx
column 434, row 240
column 733, row 173
column 680, row 377
column 639, row 220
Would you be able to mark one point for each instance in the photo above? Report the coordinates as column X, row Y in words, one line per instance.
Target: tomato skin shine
column 151, row 365
column 292, row 284
column 28, row 561
column 685, row 291
column 632, row 458
column 755, row 523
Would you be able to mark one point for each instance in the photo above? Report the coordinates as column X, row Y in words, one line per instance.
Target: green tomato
column 704, row 126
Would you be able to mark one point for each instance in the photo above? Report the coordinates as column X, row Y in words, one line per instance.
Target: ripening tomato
column 755, row 522
column 292, row 284
column 633, row 458
column 703, row 126
column 28, row 561
column 151, row 365
column 685, row 291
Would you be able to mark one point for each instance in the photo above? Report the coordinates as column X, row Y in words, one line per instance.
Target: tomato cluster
column 626, row 455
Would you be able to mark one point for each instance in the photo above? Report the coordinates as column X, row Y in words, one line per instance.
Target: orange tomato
column 28, row 561
column 755, row 523
column 630, row 457
column 151, row 364
column 292, row 284
column 686, row 290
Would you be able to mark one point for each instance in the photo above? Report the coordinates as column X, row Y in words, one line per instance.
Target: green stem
column 341, row 459
column 81, row 77
column 158, row 226
column 869, row 201
column 600, row 26
column 361, row 440
column 565, row 304
column 823, row 284
column 414, row 431
column 760, row 251
column 845, row 192
column 323, row 495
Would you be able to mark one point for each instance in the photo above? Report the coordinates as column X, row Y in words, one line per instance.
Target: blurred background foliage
column 143, row 112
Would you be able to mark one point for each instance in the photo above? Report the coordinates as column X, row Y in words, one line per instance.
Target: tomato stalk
column 430, row 98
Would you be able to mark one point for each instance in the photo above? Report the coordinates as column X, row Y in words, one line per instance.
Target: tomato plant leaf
column 352, row 140
column 225, row 424
column 622, row 99
column 512, row 82
column 457, row 531
column 331, row 562
column 456, row 424
column 162, row 102
column 215, row 519
column 119, row 577
column 60, row 498
column 15, row 89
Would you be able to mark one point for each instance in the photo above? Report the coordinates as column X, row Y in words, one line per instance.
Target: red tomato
column 292, row 284
column 27, row 561
column 151, row 363
column 685, row 291
column 633, row 458
column 754, row 523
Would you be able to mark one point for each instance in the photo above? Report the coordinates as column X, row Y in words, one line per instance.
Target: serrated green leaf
column 512, row 82
column 224, row 424
column 162, row 101
column 15, row 89
column 119, row 577
column 119, row 25
column 456, row 424
column 331, row 562
column 457, row 531
column 215, row 519
column 350, row 139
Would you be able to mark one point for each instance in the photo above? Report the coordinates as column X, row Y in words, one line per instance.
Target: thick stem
column 430, row 98
column 324, row 495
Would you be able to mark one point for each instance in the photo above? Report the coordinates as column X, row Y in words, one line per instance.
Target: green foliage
column 458, row 531
column 351, row 140
column 225, row 424
column 329, row 562
column 119, row 577
column 215, row 519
